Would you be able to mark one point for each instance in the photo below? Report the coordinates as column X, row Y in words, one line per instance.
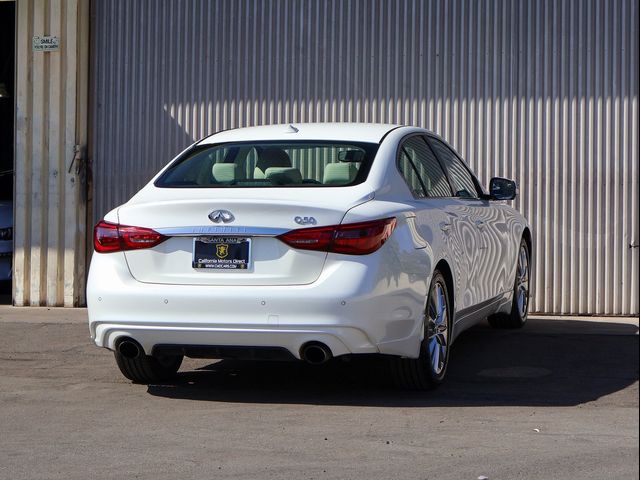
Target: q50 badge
column 305, row 220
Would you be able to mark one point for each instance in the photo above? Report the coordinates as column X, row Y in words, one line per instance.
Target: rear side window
column 421, row 169
column 459, row 175
column 271, row 164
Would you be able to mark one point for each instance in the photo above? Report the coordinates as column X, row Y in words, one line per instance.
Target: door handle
column 445, row 227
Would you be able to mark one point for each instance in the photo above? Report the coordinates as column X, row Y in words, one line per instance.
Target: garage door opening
column 7, row 101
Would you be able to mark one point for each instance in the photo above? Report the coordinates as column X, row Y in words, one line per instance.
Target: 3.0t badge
column 224, row 216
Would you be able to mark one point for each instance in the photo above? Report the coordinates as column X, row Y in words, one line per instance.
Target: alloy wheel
column 437, row 328
column 522, row 281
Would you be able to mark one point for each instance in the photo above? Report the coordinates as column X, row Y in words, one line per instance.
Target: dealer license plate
column 222, row 253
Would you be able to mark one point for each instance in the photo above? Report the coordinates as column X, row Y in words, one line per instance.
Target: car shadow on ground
column 539, row 367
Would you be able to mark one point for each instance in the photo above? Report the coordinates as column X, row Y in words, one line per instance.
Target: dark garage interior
column 7, row 62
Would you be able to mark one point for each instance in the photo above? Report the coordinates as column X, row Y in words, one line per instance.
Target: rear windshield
column 271, row 164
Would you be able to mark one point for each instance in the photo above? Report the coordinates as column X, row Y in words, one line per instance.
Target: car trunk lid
column 206, row 228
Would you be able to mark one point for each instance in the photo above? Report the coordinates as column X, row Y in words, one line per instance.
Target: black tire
column 517, row 317
column 420, row 373
column 145, row 369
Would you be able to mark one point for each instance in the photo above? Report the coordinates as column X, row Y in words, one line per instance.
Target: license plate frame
column 221, row 254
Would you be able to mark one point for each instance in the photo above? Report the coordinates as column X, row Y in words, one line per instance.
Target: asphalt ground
column 556, row 400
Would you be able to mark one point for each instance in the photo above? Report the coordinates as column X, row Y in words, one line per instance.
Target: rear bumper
column 356, row 306
column 340, row 340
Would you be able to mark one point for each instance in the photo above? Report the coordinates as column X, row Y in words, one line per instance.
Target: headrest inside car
column 339, row 173
column 350, row 156
column 271, row 157
column 226, row 172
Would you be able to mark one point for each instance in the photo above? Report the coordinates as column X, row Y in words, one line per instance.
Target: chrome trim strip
column 221, row 230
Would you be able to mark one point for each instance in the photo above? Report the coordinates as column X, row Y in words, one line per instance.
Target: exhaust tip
column 315, row 353
column 129, row 348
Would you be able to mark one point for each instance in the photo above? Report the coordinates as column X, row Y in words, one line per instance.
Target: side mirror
column 502, row 189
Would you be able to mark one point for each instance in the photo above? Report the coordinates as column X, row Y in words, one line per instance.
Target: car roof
column 353, row 132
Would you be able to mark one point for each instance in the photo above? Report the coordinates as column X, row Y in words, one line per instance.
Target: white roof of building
column 354, row 132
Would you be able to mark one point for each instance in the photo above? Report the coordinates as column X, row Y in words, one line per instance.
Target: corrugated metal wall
column 51, row 90
column 544, row 92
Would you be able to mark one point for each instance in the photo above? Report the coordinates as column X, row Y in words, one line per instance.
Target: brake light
column 351, row 239
column 110, row 237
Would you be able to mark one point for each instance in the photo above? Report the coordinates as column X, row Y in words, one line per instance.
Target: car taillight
column 110, row 237
column 351, row 239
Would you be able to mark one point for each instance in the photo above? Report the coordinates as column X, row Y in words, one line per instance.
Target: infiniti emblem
column 224, row 216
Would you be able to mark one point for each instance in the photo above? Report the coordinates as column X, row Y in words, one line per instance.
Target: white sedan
column 307, row 242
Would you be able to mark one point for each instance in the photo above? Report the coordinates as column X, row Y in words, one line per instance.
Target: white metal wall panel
column 544, row 92
column 49, row 219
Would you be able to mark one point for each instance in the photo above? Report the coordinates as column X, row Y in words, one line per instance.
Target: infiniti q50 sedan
column 307, row 242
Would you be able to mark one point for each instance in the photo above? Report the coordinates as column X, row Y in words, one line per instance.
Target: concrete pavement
column 558, row 399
